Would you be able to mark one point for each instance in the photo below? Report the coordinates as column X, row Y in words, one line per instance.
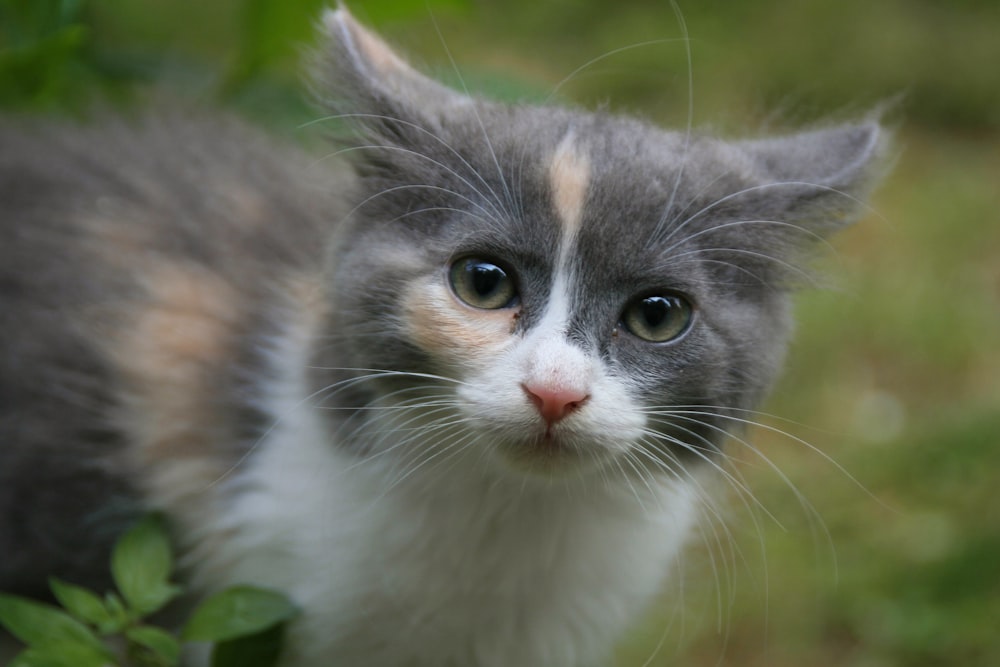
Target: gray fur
column 66, row 486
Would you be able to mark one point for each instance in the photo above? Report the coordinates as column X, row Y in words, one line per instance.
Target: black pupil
column 486, row 278
column 656, row 310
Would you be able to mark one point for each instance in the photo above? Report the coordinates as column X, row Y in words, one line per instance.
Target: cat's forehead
column 612, row 181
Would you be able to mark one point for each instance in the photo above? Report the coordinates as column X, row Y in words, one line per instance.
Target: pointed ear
column 357, row 73
column 820, row 178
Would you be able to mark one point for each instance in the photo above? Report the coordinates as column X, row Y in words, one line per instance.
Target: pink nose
column 554, row 403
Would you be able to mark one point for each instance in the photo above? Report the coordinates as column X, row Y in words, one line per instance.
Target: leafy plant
column 46, row 55
column 246, row 624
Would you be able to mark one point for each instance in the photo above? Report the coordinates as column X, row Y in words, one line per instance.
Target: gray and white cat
column 459, row 400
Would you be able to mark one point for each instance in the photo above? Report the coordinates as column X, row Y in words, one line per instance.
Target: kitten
column 459, row 400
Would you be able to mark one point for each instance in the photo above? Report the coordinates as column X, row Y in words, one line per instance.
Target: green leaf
column 62, row 655
column 237, row 612
column 84, row 605
column 44, row 626
column 22, row 659
column 141, row 564
column 257, row 650
column 159, row 641
column 116, row 608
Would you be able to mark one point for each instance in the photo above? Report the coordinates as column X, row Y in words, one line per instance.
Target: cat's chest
column 448, row 569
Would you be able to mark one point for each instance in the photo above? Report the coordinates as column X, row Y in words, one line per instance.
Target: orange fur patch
column 373, row 49
column 183, row 331
column 173, row 354
column 453, row 332
column 169, row 353
column 569, row 177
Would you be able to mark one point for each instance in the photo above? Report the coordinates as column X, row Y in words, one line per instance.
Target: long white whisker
column 737, row 484
column 508, row 198
column 494, row 215
column 690, row 114
column 279, row 419
column 419, row 128
column 739, row 223
column 604, row 56
column 816, row 450
column 706, row 502
column 740, row 251
column 416, row 186
column 807, row 506
column 766, row 186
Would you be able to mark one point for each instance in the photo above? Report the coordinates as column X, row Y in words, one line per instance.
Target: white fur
column 463, row 563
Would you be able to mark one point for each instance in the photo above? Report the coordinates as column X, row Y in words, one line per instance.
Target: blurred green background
column 894, row 378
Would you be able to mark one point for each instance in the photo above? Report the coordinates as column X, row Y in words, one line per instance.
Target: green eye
column 658, row 318
column 482, row 284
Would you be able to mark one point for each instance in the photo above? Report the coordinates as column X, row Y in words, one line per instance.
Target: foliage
column 42, row 44
column 245, row 623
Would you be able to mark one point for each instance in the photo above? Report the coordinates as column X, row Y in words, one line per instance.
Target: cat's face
column 556, row 291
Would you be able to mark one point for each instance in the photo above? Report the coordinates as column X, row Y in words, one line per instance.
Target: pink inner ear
column 378, row 53
column 555, row 402
column 367, row 46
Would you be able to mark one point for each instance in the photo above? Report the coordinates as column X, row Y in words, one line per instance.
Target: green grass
column 895, row 372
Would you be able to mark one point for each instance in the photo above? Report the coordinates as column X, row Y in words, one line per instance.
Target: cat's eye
column 482, row 283
column 658, row 318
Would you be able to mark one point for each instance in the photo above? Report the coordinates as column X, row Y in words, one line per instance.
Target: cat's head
column 556, row 290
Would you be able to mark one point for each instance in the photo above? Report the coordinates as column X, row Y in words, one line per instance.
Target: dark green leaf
column 116, row 608
column 258, row 650
column 141, row 565
column 22, row 659
column 62, row 655
column 159, row 641
column 43, row 626
column 270, row 31
column 237, row 612
column 84, row 605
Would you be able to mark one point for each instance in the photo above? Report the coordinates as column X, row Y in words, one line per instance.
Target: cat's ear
column 357, row 74
column 817, row 179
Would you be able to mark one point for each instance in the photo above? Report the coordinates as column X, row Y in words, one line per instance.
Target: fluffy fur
column 275, row 353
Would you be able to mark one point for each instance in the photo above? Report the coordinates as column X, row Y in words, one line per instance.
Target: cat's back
column 140, row 261
column 177, row 183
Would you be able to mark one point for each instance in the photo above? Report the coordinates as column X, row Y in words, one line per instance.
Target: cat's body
column 459, row 402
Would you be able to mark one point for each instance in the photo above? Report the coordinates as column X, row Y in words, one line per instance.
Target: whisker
column 416, row 186
column 738, row 223
column 766, row 186
column 738, row 485
column 495, row 214
column 508, row 199
column 427, row 132
column 707, row 504
column 690, row 112
column 807, row 506
column 816, row 450
column 806, row 276
column 604, row 56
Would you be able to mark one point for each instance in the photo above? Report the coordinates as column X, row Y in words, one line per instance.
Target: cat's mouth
column 552, row 452
column 551, row 444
